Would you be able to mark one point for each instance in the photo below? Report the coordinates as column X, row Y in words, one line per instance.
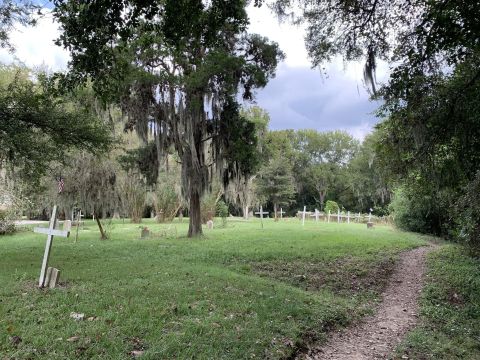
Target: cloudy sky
column 299, row 97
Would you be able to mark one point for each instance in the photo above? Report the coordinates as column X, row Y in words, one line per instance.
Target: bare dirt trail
column 378, row 335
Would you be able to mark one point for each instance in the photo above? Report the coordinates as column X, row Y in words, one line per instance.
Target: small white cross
column 281, row 213
column 261, row 212
column 51, row 232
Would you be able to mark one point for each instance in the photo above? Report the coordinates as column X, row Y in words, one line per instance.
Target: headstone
column 50, row 232
column 67, row 225
column 210, row 224
column 54, row 278
column 145, row 233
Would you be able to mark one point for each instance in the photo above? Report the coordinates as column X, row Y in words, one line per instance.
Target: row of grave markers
column 316, row 215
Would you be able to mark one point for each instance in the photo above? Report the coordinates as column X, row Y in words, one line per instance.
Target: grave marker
column 261, row 212
column 281, row 213
column 50, row 232
column 348, row 217
column 316, row 215
column 338, row 216
column 303, row 216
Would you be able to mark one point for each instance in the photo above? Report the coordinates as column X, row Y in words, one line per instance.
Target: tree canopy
column 178, row 65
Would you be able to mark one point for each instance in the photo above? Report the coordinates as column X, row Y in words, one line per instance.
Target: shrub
column 331, row 206
column 467, row 215
column 7, row 226
column 222, row 211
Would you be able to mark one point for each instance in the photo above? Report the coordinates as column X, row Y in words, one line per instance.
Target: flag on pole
column 61, row 184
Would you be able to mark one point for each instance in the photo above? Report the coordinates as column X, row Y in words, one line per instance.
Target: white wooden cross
column 50, row 231
column 316, row 214
column 261, row 212
column 303, row 215
column 281, row 213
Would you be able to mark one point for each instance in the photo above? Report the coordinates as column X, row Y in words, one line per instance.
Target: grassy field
column 239, row 292
column 450, row 309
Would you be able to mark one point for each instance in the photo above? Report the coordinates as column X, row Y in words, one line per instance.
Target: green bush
column 331, row 206
column 467, row 216
column 413, row 210
column 7, row 226
column 222, row 211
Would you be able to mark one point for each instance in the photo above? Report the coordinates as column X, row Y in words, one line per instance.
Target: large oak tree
column 178, row 65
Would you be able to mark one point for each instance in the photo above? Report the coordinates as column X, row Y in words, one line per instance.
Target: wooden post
column 328, row 218
column 79, row 219
column 338, row 216
column 316, row 215
column 303, row 217
column 348, row 217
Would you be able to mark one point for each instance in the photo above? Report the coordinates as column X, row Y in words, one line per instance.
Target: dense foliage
column 179, row 65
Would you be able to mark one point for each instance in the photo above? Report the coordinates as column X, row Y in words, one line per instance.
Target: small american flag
column 61, row 184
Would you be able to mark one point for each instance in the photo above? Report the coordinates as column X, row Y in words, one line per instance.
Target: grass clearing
column 240, row 292
column 449, row 309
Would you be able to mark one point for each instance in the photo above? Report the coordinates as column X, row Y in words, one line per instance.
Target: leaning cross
column 50, row 231
column 261, row 212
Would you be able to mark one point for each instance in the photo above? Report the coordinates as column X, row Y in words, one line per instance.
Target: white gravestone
column 50, row 232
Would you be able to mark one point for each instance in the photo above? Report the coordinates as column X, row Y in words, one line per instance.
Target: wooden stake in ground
column 303, row 217
column 50, row 232
column 79, row 219
column 261, row 212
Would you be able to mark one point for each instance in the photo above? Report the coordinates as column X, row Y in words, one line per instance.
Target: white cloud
column 34, row 46
column 300, row 97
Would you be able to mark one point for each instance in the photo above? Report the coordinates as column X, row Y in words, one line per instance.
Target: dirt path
column 377, row 336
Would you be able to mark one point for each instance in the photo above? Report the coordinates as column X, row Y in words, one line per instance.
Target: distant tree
column 132, row 192
column 321, row 160
column 90, row 184
column 275, row 183
column 241, row 189
column 38, row 125
column 179, row 65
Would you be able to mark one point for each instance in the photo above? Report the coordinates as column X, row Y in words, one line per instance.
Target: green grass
column 450, row 309
column 239, row 292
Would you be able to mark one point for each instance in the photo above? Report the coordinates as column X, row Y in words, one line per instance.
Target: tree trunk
column 195, row 220
column 103, row 235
